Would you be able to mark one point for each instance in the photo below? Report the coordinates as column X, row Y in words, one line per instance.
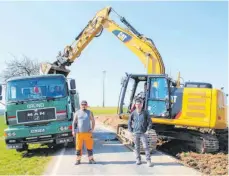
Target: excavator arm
column 140, row 45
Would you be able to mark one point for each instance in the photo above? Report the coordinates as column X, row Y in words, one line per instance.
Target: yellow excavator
column 194, row 113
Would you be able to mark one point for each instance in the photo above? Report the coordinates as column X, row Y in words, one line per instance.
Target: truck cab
column 39, row 109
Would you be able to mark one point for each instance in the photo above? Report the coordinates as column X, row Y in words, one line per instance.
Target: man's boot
column 77, row 162
column 138, row 162
column 149, row 163
column 92, row 161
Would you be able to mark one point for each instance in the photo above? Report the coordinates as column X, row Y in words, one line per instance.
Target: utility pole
column 104, row 74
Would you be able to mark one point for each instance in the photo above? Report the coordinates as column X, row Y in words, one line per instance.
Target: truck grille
column 36, row 115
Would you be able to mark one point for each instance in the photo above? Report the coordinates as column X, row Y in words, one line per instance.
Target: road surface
column 113, row 158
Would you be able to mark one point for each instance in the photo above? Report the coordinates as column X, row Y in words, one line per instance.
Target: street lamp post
column 104, row 74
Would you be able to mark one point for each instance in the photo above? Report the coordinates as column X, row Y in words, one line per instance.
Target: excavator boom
column 140, row 45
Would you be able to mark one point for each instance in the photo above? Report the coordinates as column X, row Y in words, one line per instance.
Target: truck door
column 158, row 97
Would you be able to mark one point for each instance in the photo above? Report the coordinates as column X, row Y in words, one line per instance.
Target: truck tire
column 24, row 148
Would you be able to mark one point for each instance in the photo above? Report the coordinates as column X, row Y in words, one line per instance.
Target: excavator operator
column 57, row 91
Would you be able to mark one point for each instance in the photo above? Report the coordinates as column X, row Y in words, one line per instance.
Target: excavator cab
column 173, row 109
column 156, row 96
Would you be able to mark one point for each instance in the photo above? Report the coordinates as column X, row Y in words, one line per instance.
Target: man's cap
column 83, row 102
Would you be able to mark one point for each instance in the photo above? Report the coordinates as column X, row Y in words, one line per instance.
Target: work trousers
column 141, row 137
column 87, row 139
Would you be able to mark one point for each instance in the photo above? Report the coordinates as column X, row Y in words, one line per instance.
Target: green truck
column 39, row 109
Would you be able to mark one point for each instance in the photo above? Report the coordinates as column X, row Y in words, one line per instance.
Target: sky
column 192, row 37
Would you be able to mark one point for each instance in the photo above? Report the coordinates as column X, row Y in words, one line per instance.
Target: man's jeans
column 141, row 137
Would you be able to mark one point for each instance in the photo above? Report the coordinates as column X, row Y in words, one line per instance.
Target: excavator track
column 207, row 144
column 199, row 141
column 222, row 136
column 125, row 137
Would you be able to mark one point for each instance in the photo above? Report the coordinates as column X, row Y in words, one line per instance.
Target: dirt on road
column 210, row 164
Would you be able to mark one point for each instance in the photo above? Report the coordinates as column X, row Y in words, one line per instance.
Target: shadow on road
column 106, row 136
column 132, row 162
column 111, row 162
column 167, row 164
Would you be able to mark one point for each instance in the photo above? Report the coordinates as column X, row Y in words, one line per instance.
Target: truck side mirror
column 72, row 84
column 0, row 89
column 0, row 92
column 123, row 80
column 73, row 91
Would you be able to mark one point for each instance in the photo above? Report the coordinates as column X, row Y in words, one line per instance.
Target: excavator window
column 158, row 101
column 198, row 85
column 128, row 95
column 140, row 92
column 156, row 98
column 133, row 87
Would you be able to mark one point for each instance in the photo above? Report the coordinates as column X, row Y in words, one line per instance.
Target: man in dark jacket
column 139, row 124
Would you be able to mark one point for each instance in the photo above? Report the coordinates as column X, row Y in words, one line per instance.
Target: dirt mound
column 210, row 164
column 111, row 120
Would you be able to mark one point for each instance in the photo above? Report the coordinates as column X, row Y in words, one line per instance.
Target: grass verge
column 14, row 163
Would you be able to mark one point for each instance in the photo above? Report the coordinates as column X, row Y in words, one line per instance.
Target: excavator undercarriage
column 196, row 140
column 200, row 141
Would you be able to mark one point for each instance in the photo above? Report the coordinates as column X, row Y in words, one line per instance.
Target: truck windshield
column 36, row 88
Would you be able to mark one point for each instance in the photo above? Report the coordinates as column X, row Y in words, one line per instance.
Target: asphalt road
column 113, row 158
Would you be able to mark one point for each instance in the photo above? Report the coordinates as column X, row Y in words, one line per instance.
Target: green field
column 105, row 110
column 13, row 163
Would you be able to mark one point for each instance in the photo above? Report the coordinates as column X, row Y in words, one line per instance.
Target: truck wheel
column 24, row 148
column 19, row 150
column 50, row 145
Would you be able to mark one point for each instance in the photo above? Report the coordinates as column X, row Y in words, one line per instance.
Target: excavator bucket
column 47, row 68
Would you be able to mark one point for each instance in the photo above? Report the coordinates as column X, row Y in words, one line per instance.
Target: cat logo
column 124, row 37
column 173, row 99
